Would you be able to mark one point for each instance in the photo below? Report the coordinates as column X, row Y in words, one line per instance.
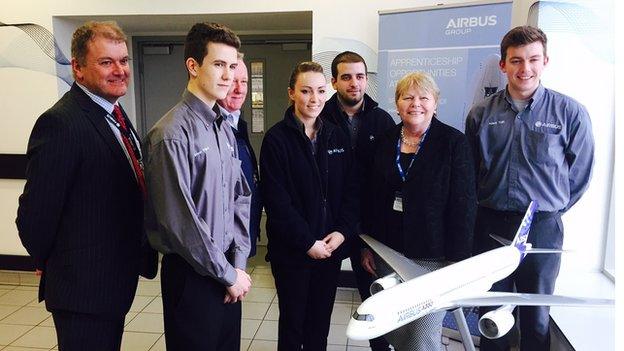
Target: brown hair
column 346, row 57
column 198, row 37
column 302, row 67
column 520, row 36
column 89, row 31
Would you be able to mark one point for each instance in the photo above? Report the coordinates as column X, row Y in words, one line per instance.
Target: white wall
column 29, row 94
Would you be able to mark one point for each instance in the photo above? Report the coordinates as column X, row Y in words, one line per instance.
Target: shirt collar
column 200, row 108
column 235, row 116
column 103, row 103
column 535, row 99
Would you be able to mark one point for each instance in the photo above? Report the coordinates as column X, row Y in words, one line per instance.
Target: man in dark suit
column 231, row 111
column 81, row 214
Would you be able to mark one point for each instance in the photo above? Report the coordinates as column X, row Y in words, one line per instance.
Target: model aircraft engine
column 385, row 283
column 497, row 323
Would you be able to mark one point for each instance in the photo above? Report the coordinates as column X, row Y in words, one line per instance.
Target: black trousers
column 536, row 274
column 194, row 313
column 363, row 280
column 81, row 331
column 306, row 300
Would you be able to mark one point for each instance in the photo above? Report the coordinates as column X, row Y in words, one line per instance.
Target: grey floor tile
column 133, row 341
column 263, row 345
column 341, row 313
column 19, row 348
column 48, row 322
column 148, row 288
column 267, row 331
column 155, row 306
column 245, row 344
column 159, row 345
column 249, row 328
column 260, row 294
column 27, row 316
column 140, row 302
column 337, row 334
column 10, row 333
column 273, row 313
column 6, row 310
column 129, row 317
column 255, row 310
column 358, row 343
column 42, row 337
column 18, row 297
column 147, row 323
column 344, row 295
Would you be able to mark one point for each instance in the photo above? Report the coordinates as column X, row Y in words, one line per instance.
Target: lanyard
column 402, row 173
column 128, row 134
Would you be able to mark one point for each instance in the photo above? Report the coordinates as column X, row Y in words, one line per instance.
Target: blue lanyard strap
column 402, row 173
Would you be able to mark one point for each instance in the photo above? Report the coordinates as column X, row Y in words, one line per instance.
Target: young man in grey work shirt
column 529, row 143
column 197, row 213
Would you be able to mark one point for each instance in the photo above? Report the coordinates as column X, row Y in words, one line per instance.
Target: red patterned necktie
column 125, row 137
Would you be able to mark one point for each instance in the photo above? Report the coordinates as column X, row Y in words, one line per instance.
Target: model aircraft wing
column 503, row 298
column 404, row 267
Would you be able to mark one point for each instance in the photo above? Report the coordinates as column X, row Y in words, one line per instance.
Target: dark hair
column 90, row 30
column 303, row 67
column 197, row 39
column 346, row 57
column 520, row 36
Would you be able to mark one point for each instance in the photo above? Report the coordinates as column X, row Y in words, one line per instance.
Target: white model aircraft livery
column 412, row 292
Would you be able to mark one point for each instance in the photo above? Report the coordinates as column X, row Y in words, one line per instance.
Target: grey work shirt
column 198, row 198
column 543, row 153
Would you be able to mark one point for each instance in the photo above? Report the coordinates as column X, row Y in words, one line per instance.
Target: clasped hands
column 239, row 289
column 324, row 248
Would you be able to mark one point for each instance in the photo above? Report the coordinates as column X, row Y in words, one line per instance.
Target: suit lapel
column 97, row 116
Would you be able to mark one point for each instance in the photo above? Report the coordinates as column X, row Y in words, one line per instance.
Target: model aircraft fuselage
column 401, row 304
column 412, row 291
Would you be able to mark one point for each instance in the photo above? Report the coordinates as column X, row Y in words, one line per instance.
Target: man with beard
column 360, row 117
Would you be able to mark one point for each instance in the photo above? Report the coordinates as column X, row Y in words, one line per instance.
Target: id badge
column 398, row 202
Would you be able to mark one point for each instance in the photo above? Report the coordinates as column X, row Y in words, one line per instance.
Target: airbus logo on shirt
column 335, row 151
column 540, row 124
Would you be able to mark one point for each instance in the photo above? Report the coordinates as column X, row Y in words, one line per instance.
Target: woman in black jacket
column 309, row 194
column 425, row 197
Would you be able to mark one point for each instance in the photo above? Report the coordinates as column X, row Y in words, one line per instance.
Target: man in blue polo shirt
column 529, row 143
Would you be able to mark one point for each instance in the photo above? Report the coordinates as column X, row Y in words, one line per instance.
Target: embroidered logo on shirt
column 335, row 151
column 540, row 124
column 371, row 137
column 202, row 151
column 494, row 123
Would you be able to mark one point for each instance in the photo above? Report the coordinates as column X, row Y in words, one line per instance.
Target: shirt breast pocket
column 544, row 148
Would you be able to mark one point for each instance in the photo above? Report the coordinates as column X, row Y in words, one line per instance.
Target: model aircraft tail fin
column 520, row 240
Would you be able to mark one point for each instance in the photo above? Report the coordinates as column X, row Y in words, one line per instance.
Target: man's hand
column 239, row 289
column 368, row 262
column 38, row 272
column 319, row 250
column 333, row 240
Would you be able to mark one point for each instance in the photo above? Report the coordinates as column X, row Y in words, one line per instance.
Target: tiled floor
column 26, row 325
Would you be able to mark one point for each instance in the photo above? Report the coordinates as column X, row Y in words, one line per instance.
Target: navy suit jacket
column 81, row 214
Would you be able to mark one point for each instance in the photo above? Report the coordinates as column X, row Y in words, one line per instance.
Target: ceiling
column 241, row 23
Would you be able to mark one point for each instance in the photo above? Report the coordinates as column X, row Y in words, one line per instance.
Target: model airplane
column 412, row 292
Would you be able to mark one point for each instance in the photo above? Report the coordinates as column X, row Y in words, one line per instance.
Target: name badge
column 397, row 205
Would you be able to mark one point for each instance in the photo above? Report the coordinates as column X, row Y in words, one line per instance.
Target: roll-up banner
column 458, row 46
